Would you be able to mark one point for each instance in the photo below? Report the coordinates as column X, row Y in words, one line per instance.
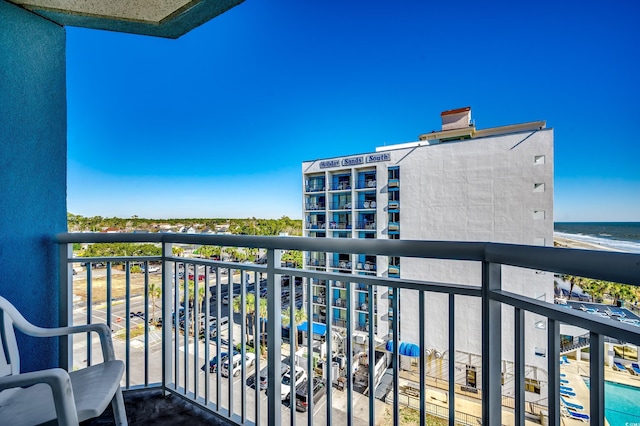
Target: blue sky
column 217, row 123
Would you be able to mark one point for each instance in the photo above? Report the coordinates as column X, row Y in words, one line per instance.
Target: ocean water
column 623, row 236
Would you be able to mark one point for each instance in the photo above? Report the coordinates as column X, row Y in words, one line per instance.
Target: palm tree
column 155, row 291
column 299, row 315
column 573, row 281
column 250, row 309
column 191, row 293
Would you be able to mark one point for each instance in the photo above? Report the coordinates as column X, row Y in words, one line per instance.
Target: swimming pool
column 620, row 403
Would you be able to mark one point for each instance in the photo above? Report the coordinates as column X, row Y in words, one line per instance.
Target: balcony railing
column 366, row 184
column 340, row 186
column 319, row 226
column 318, row 187
column 340, row 206
column 366, row 205
column 166, row 351
column 314, row 206
column 340, row 264
column 339, row 225
column 366, row 226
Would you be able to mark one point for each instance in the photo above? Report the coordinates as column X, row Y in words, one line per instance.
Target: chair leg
column 119, row 413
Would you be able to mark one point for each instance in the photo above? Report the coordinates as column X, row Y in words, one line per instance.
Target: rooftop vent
column 456, row 119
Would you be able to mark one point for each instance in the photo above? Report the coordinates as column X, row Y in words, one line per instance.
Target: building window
column 471, row 376
column 538, row 159
column 538, row 187
column 394, row 173
column 532, row 385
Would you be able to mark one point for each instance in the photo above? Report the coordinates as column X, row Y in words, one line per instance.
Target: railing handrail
column 610, row 266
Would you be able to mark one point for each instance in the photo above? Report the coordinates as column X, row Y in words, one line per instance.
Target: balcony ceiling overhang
column 160, row 18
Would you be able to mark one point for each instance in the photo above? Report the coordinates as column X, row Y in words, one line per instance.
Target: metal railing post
column 274, row 338
column 491, row 345
column 65, row 304
column 519, row 364
column 167, row 283
column 596, row 372
column 553, row 371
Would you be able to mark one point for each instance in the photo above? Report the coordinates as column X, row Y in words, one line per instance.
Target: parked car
column 214, row 326
column 152, row 269
column 285, row 389
column 264, row 374
column 213, row 363
column 250, row 359
column 200, row 277
column 225, row 299
column 319, row 389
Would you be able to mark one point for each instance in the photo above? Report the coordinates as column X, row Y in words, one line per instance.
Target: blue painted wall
column 33, row 167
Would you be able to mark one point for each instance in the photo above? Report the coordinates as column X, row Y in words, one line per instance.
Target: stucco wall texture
column 33, row 164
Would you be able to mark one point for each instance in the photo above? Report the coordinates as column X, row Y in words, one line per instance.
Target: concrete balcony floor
column 150, row 407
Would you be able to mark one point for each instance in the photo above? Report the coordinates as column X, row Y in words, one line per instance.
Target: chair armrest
column 101, row 329
column 58, row 380
column 26, row 327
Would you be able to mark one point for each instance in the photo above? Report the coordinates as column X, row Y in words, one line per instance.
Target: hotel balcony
column 164, row 353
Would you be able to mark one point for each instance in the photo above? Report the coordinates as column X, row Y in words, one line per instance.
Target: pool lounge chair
column 574, row 415
column 635, row 369
column 564, row 382
column 567, row 393
column 589, row 310
column 564, row 359
column 619, row 366
column 571, row 404
column 565, row 389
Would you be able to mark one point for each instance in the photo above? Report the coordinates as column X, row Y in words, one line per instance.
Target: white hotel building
column 456, row 184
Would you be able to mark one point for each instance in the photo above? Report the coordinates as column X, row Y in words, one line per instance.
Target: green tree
column 299, row 316
column 596, row 289
column 622, row 292
column 293, row 256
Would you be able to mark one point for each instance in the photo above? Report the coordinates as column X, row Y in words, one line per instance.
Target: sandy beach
column 569, row 243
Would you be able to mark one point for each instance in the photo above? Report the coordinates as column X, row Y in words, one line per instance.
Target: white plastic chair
column 44, row 396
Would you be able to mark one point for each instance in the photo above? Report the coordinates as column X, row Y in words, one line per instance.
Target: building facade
column 456, row 184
